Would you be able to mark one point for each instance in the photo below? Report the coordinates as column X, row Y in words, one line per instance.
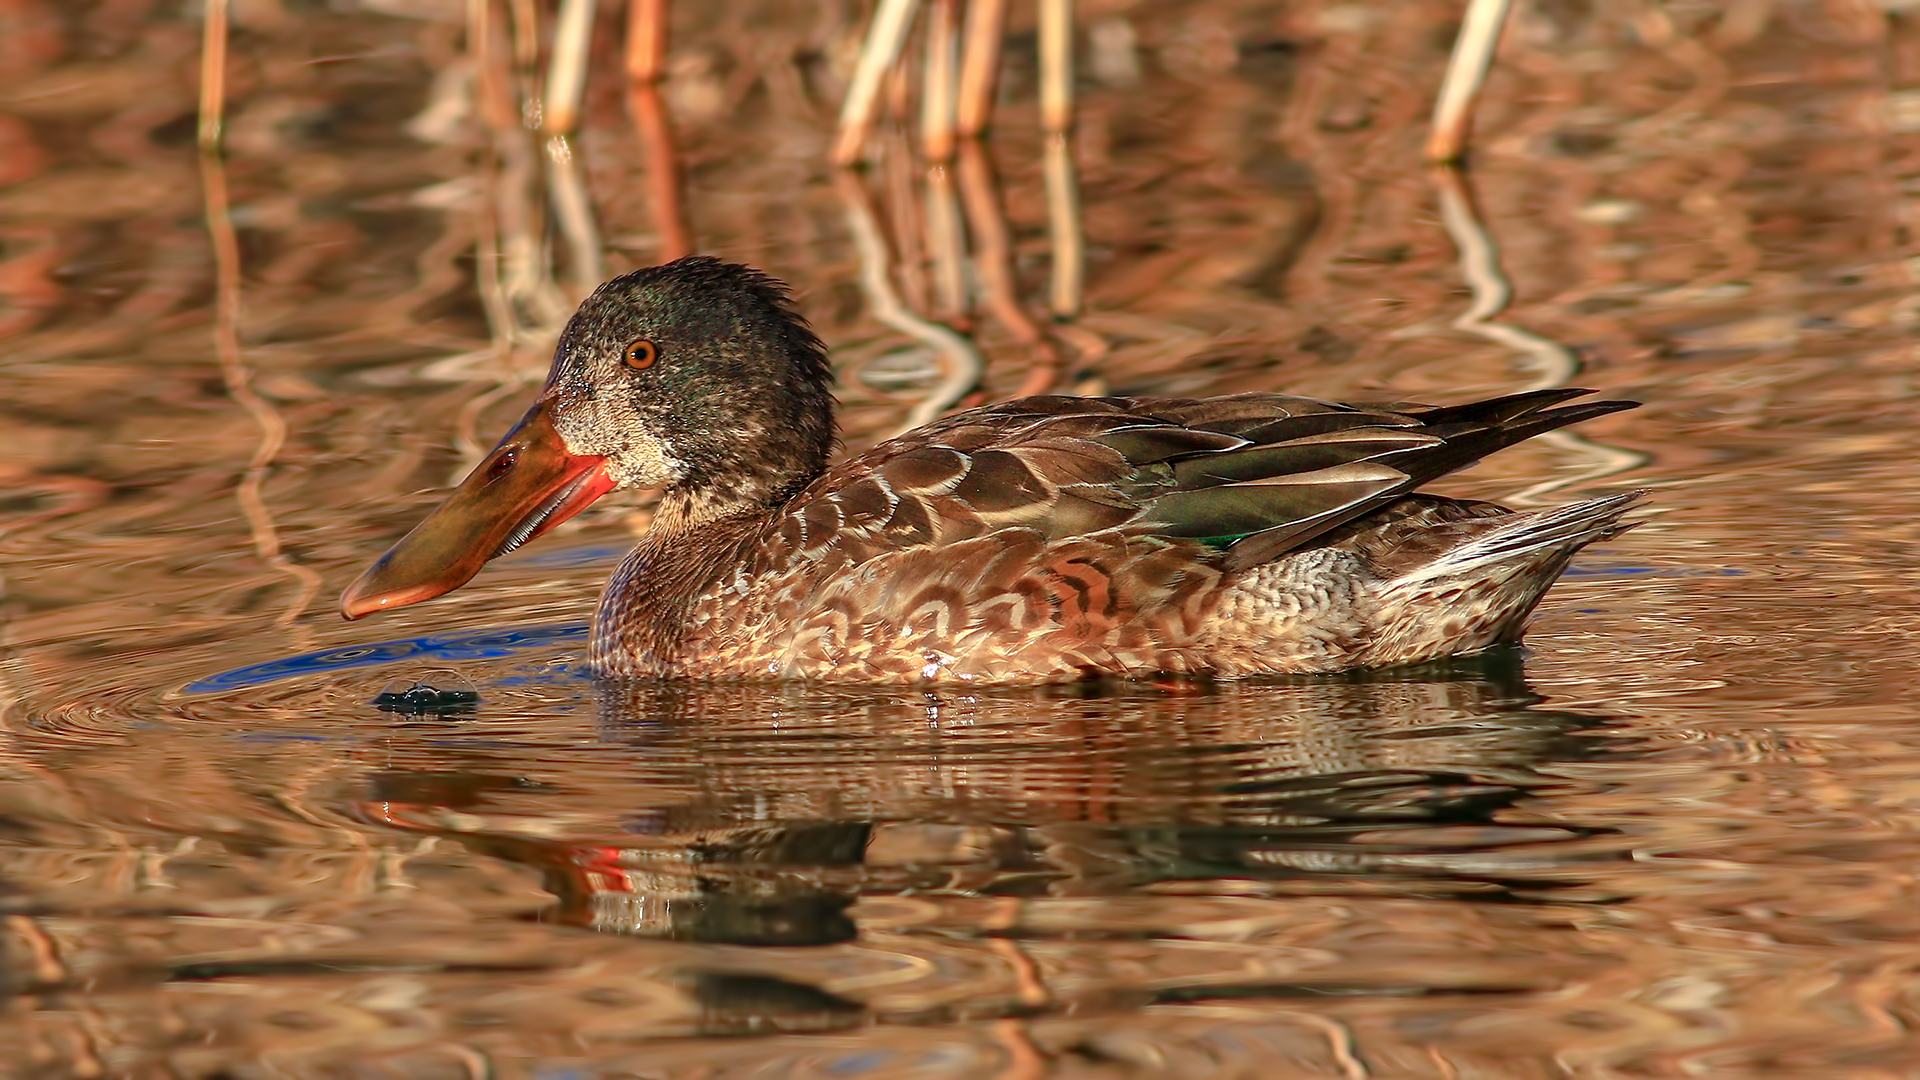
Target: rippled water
column 1675, row 837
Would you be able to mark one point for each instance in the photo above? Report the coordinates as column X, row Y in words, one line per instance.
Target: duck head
column 697, row 376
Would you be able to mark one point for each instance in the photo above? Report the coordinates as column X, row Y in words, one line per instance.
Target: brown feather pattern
column 1052, row 537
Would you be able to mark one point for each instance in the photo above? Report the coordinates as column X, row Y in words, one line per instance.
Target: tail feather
column 1488, row 585
column 1573, row 526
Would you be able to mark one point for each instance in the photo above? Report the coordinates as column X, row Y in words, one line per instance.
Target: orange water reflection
column 1681, row 844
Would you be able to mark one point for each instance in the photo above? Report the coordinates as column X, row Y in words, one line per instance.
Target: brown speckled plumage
column 1039, row 539
column 1054, row 537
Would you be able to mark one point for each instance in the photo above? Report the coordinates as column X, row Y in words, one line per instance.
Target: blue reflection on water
column 1664, row 571
column 583, row 555
column 489, row 644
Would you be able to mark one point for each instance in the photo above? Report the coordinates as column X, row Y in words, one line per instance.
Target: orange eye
column 641, row 354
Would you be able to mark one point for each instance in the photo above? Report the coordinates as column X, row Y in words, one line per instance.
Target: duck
column 1043, row 539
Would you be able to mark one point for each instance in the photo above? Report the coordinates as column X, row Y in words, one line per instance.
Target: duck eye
column 641, row 354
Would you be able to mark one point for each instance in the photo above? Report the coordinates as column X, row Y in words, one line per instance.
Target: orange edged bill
column 526, row 486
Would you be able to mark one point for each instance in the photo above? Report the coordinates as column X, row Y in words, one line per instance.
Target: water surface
column 1674, row 837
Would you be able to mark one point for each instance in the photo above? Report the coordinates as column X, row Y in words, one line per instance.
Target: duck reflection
column 761, row 815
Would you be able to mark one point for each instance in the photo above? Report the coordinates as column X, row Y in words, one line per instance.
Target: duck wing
column 1251, row 475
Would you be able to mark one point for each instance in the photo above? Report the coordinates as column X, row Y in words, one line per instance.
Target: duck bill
column 526, row 486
